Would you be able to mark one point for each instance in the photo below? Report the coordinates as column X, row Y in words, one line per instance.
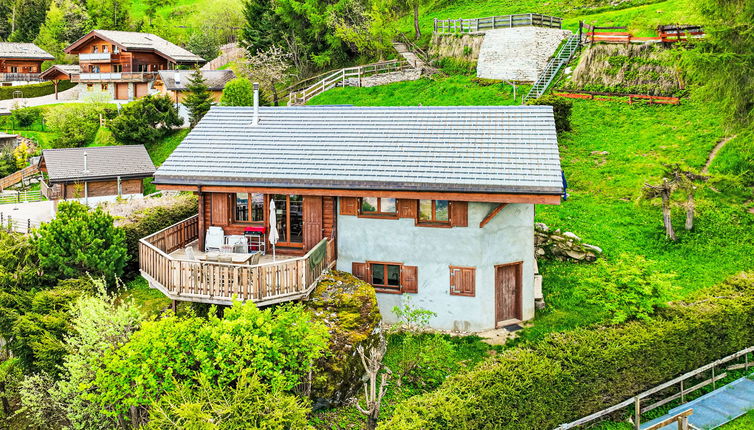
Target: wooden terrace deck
column 218, row 283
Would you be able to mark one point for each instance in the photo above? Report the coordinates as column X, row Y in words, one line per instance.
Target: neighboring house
column 173, row 83
column 125, row 64
column 59, row 72
column 431, row 203
column 95, row 174
column 21, row 63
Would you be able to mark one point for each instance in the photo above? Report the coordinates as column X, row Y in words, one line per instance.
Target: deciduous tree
column 268, row 67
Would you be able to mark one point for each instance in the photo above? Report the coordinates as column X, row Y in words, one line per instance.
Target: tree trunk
column 690, row 206
column 6, row 404
column 274, row 93
column 371, row 423
column 666, row 219
column 417, row 30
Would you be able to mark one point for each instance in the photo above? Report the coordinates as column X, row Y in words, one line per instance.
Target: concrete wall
column 508, row 238
column 519, row 53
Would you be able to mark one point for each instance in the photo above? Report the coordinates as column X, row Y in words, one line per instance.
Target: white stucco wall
column 508, row 238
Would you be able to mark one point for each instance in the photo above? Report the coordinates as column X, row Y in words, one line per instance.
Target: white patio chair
column 190, row 254
column 254, row 260
column 215, row 238
column 240, row 243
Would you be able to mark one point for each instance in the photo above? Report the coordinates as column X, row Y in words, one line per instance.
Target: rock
column 596, row 249
column 540, row 226
column 576, row 255
column 348, row 307
column 571, row 235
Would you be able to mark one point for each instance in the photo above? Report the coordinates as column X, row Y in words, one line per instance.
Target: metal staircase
column 561, row 58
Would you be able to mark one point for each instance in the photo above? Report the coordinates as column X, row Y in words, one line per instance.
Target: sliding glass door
column 290, row 220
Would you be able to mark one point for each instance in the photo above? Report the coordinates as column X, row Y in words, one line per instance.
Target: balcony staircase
column 560, row 59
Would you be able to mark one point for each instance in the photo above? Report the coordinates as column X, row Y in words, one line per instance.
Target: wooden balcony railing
column 51, row 192
column 221, row 283
column 114, row 77
column 20, row 77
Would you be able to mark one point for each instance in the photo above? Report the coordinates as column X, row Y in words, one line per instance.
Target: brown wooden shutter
column 312, row 208
column 360, row 270
column 220, row 209
column 328, row 217
column 459, row 214
column 409, row 279
column 407, row 208
column 349, row 206
column 462, row 281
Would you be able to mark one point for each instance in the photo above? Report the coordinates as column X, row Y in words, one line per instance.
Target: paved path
column 67, row 96
column 716, row 408
column 714, row 152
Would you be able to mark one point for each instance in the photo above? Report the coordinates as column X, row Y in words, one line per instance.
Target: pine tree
column 198, row 101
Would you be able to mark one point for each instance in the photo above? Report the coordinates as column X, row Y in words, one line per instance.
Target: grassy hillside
column 612, row 151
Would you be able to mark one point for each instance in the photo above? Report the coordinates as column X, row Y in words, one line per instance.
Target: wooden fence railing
column 16, row 224
column 54, row 192
column 221, row 283
column 664, row 393
column 349, row 76
column 21, row 197
column 474, row 25
column 680, row 419
column 18, row 176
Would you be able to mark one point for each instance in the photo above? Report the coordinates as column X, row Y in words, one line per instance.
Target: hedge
column 152, row 220
column 35, row 90
column 573, row 374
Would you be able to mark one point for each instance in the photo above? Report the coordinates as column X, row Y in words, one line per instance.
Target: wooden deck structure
column 221, row 283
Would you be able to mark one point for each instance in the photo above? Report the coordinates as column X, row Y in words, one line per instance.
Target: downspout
column 255, row 120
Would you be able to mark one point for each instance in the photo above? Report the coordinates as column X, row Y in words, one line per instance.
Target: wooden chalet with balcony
column 125, row 64
column 436, row 203
column 21, row 63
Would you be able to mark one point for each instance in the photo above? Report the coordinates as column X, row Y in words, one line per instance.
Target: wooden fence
column 18, row 176
column 665, row 34
column 16, row 224
column 664, row 393
column 475, row 25
column 54, row 192
column 22, row 197
column 616, row 97
column 349, row 76
column 220, row 283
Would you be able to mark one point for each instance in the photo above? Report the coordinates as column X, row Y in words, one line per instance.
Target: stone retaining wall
column 519, row 53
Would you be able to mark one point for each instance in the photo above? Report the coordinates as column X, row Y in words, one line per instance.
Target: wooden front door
column 312, row 221
column 121, row 91
column 508, row 293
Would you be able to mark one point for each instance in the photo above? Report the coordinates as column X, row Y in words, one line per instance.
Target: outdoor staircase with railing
column 560, row 59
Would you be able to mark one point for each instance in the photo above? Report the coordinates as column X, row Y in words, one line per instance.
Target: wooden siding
column 103, row 188
column 23, row 65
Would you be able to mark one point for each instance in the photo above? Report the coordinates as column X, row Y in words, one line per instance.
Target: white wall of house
column 508, row 238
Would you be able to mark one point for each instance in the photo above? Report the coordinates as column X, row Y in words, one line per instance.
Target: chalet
column 125, row 64
column 173, row 83
column 21, row 63
column 432, row 203
column 95, row 174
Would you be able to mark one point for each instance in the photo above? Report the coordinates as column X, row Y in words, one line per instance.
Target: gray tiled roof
column 103, row 162
column 23, row 50
column 215, row 79
column 497, row 149
column 146, row 41
column 68, row 69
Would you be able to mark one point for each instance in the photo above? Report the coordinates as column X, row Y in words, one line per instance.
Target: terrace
column 163, row 262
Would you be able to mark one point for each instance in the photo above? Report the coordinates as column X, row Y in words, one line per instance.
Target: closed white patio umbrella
column 274, row 237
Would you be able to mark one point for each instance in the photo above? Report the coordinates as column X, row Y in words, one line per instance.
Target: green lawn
column 746, row 422
column 455, row 90
column 150, row 301
column 160, row 151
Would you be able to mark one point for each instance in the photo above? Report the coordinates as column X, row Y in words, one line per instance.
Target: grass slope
column 613, row 150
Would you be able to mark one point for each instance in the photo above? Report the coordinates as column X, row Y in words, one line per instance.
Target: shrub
column 628, row 288
column 145, row 121
column 249, row 404
column 238, row 92
column 561, row 109
column 572, row 374
column 35, row 90
column 151, row 220
column 79, row 241
column 76, row 124
column 25, row 117
column 280, row 345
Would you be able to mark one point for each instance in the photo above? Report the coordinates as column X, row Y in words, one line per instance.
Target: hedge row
column 34, row 90
column 573, row 374
column 152, row 220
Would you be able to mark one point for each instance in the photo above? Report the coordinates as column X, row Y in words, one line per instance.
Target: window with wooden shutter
column 410, row 279
column 459, row 214
column 462, row 281
column 349, row 206
column 360, row 270
column 407, row 208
